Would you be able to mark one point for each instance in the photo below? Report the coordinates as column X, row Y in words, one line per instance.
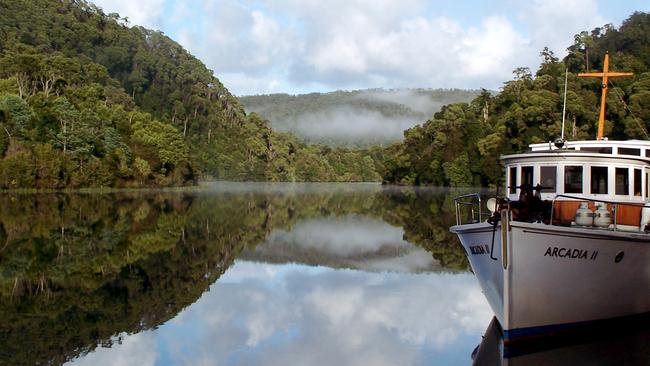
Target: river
column 237, row 274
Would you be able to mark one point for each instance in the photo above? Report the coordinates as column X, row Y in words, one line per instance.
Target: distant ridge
column 357, row 118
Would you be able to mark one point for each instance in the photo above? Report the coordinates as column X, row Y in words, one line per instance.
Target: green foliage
column 164, row 140
column 103, row 96
column 461, row 145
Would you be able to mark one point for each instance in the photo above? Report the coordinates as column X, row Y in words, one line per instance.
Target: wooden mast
column 605, row 75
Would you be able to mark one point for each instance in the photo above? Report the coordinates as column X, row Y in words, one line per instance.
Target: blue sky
column 298, row 46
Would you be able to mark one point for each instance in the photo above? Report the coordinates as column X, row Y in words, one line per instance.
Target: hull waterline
column 549, row 280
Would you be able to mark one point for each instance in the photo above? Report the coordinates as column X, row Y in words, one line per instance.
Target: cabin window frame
column 626, row 186
column 628, row 151
column 564, row 178
column 510, row 188
column 634, row 190
column 607, row 180
column 646, row 183
column 532, row 173
column 540, row 176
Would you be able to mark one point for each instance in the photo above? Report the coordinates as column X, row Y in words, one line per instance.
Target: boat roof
column 629, row 149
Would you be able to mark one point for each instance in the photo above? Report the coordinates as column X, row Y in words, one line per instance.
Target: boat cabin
column 612, row 174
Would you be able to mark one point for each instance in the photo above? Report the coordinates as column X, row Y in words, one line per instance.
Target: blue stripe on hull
column 533, row 339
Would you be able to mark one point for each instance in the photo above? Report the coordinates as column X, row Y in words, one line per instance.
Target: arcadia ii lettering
column 572, row 253
column 479, row 249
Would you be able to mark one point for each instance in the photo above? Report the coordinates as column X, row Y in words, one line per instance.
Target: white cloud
column 553, row 23
column 264, row 46
column 146, row 13
column 284, row 45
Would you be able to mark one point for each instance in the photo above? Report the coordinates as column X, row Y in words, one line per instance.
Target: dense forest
column 86, row 100
column 461, row 144
column 355, row 119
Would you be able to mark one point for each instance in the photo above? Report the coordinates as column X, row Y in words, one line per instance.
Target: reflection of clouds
column 352, row 317
column 135, row 349
column 351, row 241
column 341, row 236
column 306, row 315
column 414, row 261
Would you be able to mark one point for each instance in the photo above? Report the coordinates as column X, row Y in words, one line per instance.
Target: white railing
column 471, row 201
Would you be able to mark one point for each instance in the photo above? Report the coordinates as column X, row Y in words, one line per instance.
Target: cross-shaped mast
column 606, row 74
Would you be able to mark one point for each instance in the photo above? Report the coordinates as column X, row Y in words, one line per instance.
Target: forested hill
column 86, row 100
column 353, row 118
column 462, row 143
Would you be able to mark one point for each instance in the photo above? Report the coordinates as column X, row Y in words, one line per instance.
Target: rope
column 629, row 110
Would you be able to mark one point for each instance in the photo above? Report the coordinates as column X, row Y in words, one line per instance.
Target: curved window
column 622, row 181
column 599, row 180
column 548, row 178
column 513, row 180
column 572, row 179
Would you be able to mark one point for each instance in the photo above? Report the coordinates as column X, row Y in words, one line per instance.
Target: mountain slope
column 86, row 100
column 353, row 118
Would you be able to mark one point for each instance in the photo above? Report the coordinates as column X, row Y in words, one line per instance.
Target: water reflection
column 348, row 241
column 622, row 344
column 126, row 270
column 270, row 314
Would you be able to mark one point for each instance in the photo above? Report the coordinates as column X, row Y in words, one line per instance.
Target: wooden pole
column 605, row 75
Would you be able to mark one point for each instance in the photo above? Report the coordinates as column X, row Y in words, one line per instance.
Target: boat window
column 548, row 178
column 599, row 180
column 647, row 153
column 527, row 175
column 513, row 180
column 637, row 182
column 622, row 181
column 629, row 151
column 599, row 150
column 572, row 179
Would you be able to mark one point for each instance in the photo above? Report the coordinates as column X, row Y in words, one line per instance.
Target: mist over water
column 365, row 117
column 413, row 99
column 349, row 124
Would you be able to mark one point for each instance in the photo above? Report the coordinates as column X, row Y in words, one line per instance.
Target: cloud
column 264, row 46
column 553, row 23
column 281, row 45
column 146, row 13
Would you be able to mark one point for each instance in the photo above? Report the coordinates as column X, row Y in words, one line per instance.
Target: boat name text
column 570, row 253
column 479, row 249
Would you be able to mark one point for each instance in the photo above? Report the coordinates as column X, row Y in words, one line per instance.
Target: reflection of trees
column 95, row 266
column 426, row 216
column 77, row 269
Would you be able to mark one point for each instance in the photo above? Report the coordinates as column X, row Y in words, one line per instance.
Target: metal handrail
column 458, row 202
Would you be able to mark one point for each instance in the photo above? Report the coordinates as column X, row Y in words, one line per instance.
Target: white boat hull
column 557, row 277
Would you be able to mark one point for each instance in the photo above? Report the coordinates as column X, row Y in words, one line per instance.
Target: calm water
column 237, row 274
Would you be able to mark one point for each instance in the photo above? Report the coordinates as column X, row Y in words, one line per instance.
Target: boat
column 568, row 243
